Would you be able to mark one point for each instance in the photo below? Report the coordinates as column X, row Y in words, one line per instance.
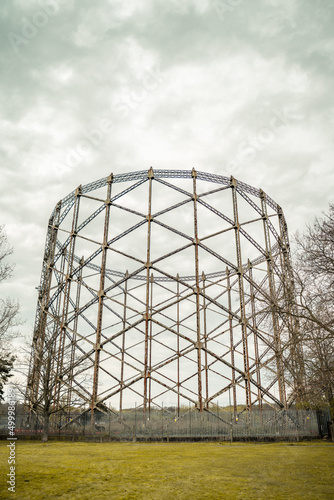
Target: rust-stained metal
column 173, row 300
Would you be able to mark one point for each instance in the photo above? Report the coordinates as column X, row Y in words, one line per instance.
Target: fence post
column 189, row 420
column 162, row 421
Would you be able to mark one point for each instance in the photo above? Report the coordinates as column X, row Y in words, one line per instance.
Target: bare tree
column 49, row 390
column 315, row 272
column 42, row 394
column 8, row 314
column 314, row 296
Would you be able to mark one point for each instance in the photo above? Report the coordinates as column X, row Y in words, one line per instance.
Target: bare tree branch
column 8, row 314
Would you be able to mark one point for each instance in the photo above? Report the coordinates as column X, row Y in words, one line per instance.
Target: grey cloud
column 223, row 79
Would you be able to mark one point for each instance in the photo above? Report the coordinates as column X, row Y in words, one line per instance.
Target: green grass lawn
column 170, row 471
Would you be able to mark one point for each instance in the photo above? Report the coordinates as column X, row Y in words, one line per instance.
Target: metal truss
column 163, row 286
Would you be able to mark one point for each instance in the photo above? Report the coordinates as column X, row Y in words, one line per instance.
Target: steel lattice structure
column 163, row 286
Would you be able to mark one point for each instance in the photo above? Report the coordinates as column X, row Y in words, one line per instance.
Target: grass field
column 170, row 471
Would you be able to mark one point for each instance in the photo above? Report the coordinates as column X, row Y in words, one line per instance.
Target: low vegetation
column 72, row 470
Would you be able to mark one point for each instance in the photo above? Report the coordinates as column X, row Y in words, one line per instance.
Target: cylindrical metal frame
column 163, row 287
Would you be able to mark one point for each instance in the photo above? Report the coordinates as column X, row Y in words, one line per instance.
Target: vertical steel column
column 296, row 350
column 241, row 295
column 205, row 345
column 123, row 344
column 146, row 374
column 198, row 292
column 150, row 349
column 57, row 323
column 66, row 299
column 234, row 392
column 60, row 284
column 74, row 338
column 42, row 307
column 273, row 300
column 256, row 340
column 178, row 341
column 101, row 298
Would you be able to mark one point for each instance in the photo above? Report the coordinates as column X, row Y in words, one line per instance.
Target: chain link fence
column 165, row 424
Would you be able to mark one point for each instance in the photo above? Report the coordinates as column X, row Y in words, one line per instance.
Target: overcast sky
column 231, row 87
